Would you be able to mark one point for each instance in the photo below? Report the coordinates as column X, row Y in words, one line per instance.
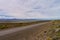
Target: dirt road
column 31, row 32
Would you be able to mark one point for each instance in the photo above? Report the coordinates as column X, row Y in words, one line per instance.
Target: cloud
column 30, row 8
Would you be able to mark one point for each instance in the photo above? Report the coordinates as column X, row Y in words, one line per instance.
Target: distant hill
column 17, row 20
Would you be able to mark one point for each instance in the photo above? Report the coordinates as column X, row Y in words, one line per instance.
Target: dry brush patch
column 54, row 31
column 12, row 25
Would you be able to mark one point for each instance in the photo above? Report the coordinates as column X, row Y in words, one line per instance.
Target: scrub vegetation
column 12, row 25
column 54, row 32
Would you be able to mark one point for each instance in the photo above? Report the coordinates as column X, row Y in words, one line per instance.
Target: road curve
column 22, row 32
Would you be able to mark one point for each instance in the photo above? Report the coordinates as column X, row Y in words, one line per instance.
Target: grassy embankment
column 54, row 32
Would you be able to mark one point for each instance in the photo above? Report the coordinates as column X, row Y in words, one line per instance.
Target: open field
column 43, row 31
column 4, row 25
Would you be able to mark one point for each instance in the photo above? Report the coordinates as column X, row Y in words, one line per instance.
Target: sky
column 30, row 9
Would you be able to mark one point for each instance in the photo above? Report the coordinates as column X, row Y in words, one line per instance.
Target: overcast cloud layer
column 30, row 8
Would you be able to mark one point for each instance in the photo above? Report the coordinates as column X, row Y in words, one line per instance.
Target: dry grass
column 54, row 32
column 52, row 29
column 11, row 25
